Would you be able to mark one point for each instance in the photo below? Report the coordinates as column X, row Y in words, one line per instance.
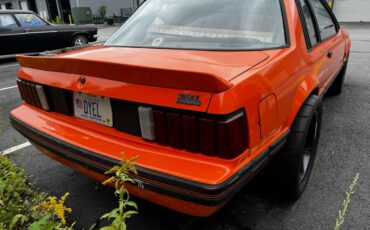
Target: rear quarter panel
column 288, row 74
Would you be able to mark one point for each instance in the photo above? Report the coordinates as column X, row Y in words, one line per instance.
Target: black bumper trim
column 192, row 191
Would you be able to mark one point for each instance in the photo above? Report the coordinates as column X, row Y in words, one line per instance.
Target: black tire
column 297, row 157
column 336, row 88
column 79, row 40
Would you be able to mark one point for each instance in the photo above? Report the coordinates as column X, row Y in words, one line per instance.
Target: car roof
column 15, row 11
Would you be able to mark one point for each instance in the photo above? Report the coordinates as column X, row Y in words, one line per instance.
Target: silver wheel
column 79, row 41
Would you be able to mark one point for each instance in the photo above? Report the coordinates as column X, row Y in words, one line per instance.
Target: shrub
column 22, row 206
column 19, row 201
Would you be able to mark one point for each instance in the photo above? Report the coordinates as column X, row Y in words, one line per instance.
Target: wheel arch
column 80, row 33
column 309, row 86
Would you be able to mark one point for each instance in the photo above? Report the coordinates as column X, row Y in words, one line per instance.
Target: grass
column 342, row 213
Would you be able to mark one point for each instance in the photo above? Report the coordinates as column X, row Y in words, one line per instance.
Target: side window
column 6, row 20
column 310, row 25
column 30, row 20
column 326, row 25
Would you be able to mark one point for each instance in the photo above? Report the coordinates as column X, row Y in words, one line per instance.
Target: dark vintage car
column 26, row 32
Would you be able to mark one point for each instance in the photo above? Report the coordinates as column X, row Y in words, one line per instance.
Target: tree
column 102, row 10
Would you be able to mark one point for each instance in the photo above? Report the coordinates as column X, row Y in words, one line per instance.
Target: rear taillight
column 223, row 136
column 160, row 127
column 213, row 135
column 190, row 132
column 174, row 130
column 231, row 136
column 207, row 135
column 33, row 94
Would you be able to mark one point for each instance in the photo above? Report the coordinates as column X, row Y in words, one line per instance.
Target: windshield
column 205, row 24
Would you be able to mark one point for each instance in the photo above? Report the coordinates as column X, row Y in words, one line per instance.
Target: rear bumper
column 93, row 37
column 151, row 184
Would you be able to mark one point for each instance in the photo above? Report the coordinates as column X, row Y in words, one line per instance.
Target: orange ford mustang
column 205, row 92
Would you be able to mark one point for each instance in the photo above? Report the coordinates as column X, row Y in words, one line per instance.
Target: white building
column 13, row 4
column 352, row 10
column 50, row 9
column 345, row 10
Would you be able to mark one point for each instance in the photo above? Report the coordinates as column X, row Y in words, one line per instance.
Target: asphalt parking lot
column 343, row 152
column 105, row 33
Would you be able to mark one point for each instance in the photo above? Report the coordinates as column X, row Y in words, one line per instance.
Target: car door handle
column 330, row 54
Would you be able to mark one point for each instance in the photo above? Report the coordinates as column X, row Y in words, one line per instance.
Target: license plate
column 93, row 108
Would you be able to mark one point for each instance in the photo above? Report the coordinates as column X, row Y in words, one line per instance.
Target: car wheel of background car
column 336, row 88
column 79, row 40
column 295, row 162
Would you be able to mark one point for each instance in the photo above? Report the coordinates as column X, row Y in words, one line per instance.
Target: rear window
column 6, row 20
column 205, row 24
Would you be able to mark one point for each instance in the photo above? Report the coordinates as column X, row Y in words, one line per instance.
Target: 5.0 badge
column 188, row 99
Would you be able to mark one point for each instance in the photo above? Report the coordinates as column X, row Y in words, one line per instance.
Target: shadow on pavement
column 244, row 211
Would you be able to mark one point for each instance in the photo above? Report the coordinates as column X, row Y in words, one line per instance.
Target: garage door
column 352, row 10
